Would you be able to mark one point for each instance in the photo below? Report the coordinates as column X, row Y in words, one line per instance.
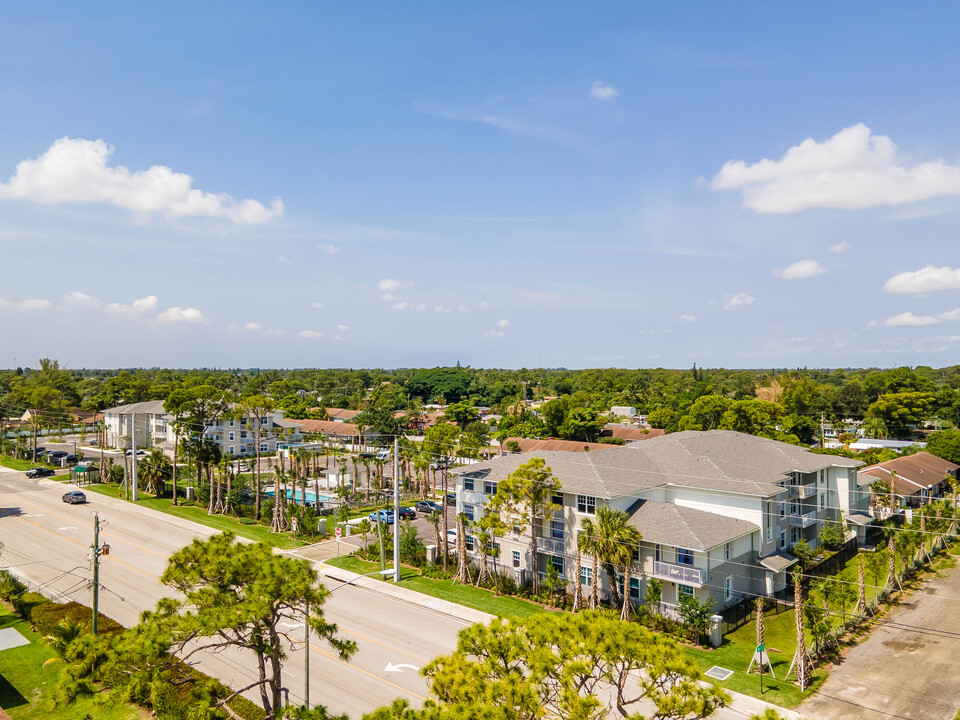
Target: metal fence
column 742, row 612
column 834, row 564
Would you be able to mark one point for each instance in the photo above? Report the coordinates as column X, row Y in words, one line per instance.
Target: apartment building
column 718, row 510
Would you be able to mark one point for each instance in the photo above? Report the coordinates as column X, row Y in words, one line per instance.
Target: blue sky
column 500, row 184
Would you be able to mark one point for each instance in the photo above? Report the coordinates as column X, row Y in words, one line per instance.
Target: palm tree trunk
column 577, row 591
column 625, row 610
column 594, row 581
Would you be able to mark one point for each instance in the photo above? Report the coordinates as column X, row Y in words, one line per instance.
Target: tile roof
column 720, row 460
column 628, row 432
column 531, row 444
column 326, row 427
column 678, row 526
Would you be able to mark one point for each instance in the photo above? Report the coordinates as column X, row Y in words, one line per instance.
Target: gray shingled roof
column 151, row 406
column 720, row 460
column 678, row 526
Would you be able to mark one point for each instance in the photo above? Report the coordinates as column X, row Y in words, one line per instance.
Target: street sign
column 337, row 532
column 761, row 648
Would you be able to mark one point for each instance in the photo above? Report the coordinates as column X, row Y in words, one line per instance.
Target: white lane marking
column 69, row 527
column 399, row 668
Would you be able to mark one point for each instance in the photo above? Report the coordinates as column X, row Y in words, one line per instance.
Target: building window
column 516, row 558
column 489, row 487
column 728, row 588
column 243, row 434
column 794, row 532
column 656, row 553
column 586, row 504
column 243, row 449
column 684, row 590
column 263, row 447
column 769, row 532
column 469, row 511
column 822, row 476
column 556, row 529
column 557, row 563
column 231, row 436
column 468, row 542
column 821, row 496
column 557, row 499
column 782, row 508
column 783, row 541
column 231, row 423
column 231, row 449
column 685, row 556
column 468, row 484
column 586, row 575
column 634, row 586
column 726, row 551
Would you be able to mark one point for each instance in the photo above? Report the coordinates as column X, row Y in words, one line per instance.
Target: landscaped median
column 194, row 513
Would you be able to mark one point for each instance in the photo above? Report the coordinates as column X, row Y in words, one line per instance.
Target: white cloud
column 910, row 320
column 329, row 248
column 274, row 331
column 389, row 286
column 421, row 307
column 312, row 334
column 338, row 337
column 176, row 314
column 80, row 299
column 601, row 91
column 245, row 327
column 800, row 269
column 854, row 169
column 737, row 301
column 31, row 304
column 316, row 305
column 463, row 309
column 389, row 297
column 840, row 247
column 503, row 323
column 342, row 327
column 493, row 333
column 441, row 309
column 688, row 318
column 483, row 305
column 282, row 260
column 138, row 307
column 74, row 171
column 926, row 279
column 401, row 306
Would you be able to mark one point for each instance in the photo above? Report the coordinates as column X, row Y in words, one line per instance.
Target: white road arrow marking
column 399, row 668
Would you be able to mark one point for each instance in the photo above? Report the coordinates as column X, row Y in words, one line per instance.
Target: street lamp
column 306, row 636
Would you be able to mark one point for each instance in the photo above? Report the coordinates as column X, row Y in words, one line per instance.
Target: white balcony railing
column 550, row 545
column 680, row 573
column 802, row 491
column 805, row 520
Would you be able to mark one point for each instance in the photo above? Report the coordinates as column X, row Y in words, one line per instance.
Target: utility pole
column 306, row 656
column 396, row 509
column 96, row 551
column 133, row 457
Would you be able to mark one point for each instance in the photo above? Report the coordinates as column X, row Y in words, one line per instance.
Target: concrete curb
column 387, row 588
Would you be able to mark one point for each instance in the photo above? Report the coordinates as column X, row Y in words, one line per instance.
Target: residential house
column 630, row 433
column 530, row 444
column 718, row 510
column 917, row 478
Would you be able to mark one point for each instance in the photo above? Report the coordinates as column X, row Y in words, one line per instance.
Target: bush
column 612, row 441
column 47, row 616
column 831, row 536
column 24, row 604
column 10, row 587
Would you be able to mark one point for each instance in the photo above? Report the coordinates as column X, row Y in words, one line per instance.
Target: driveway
column 908, row 668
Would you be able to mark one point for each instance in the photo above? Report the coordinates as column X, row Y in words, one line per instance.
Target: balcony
column 802, row 491
column 685, row 574
column 805, row 520
column 550, row 545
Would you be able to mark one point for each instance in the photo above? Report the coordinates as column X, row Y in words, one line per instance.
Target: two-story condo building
column 718, row 510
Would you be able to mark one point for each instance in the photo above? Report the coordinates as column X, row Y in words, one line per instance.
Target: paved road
column 48, row 542
column 908, row 668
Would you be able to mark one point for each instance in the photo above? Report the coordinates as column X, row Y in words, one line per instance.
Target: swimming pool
column 311, row 497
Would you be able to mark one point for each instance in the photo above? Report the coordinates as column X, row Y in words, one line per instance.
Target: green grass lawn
column 466, row 595
column 27, row 685
column 15, row 464
column 257, row 533
column 737, row 650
